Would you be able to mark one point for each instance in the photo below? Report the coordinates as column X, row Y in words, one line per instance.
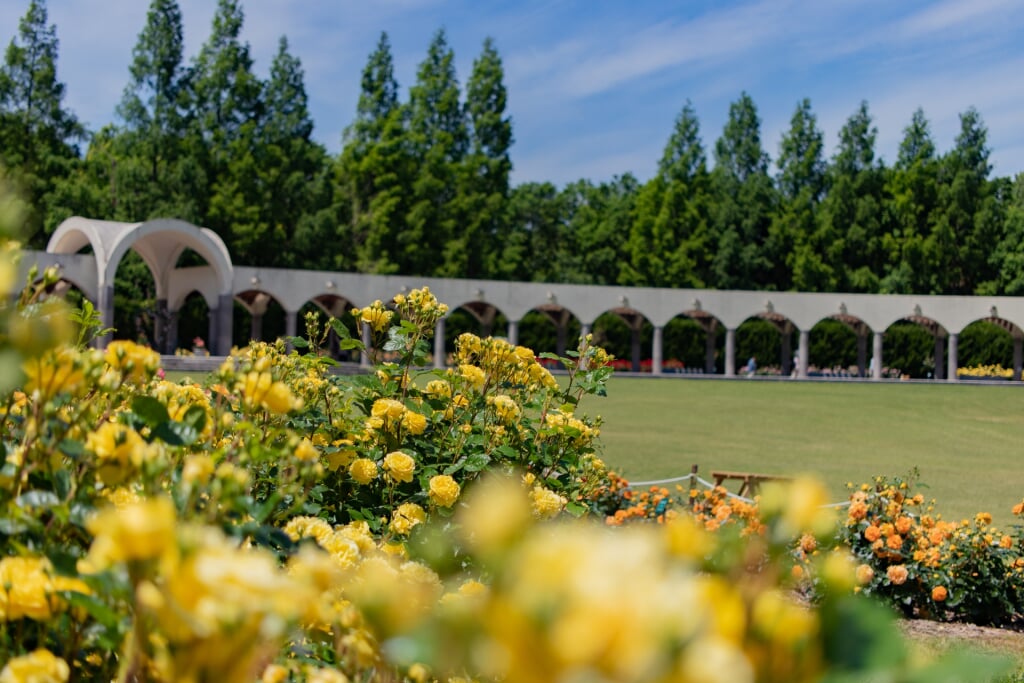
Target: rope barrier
column 709, row 485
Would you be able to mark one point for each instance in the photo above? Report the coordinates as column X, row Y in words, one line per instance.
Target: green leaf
column 297, row 342
column 576, row 509
column 38, row 499
column 94, row 607
column 195, row 417
column 71, row 448
column 62, row 483
column 349, row 344
column 174, row 433
column 476, row 462
column 151, row 411
column 339, row 329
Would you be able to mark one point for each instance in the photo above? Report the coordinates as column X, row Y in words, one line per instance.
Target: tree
column 484, row 182
column 534, row 250
column 851, row 225
column 38, row 136
column 599, row 220
column 967, row 222
column 153, row 172
column 668, row 241
column 911, row 197
column 797, row 258
column 375, row 169
column 439, row 139
column 744, row 203
column 300, row 208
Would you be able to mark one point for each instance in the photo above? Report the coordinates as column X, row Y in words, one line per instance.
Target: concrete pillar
column 862, row 351
column 212, row 323
column 787, row 350
column 160, row 327
column 709, row 347
column 513, row 332
column 440, row 353
column 256, row 327
column 730, row 352
column 940, row 353
column 291, row 323
column 563, row 331
column 804, row 354
column 585, row 330
column 222, row 343
column 1018, row 356
column 954, row 342
column 876, row 357
column 106, row 310
column 635, row 347
column 172, row 331
column 656, row 350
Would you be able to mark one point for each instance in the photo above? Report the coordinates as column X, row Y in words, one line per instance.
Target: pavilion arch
column 852, row 361
column 675, row 347
column 566, row 324
column 636, row 324
column 1014, row 331
column 754, row 338
column 160, row 243
column 477, row 317
column 910, row 353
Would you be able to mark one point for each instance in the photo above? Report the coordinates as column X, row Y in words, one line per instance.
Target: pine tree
column 744, row 201
column 911, row 197
column 153, row 170
column 375, row 167
column 851, row 222
column 38, row 136
column 439, row 139
column 484, row 177
column 668, row 241
column 802, row 183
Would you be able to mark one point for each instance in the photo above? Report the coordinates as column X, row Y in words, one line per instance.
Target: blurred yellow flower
column 135, row 362
column 306, row 451
column 40, row 666
column 546, row 503
column 139, row 531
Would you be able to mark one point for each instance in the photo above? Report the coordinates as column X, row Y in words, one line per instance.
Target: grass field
column 966, row 440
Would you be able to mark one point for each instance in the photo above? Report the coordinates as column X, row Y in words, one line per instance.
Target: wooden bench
column 750, row 483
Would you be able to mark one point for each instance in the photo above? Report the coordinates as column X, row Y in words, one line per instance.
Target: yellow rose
column 444, row 490
column 546, row 503
column 363, row 470
column 406, row 517
column 387, row 408
column 41, row 666
column 399, row 466
column 414, row 422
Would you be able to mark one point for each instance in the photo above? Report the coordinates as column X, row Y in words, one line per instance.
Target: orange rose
column 897, row 574
column 872, row 533
column 939, row 593
column 894, row 542
column 903, row 525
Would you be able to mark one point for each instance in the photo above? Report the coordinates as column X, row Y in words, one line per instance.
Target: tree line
column 422, row 183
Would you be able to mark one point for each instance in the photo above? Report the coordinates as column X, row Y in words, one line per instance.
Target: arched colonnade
column 161, row 242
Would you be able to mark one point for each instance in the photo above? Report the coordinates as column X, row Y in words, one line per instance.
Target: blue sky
column 594, row 86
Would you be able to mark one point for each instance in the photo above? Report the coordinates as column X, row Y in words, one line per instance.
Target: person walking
column 751, row 366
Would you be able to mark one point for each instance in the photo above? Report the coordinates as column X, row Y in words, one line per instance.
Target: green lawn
column 965, row 439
